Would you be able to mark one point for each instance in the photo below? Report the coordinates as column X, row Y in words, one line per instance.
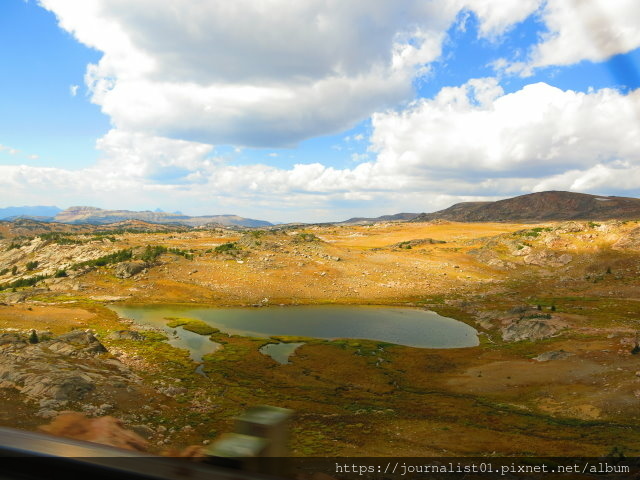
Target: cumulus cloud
column 178, row 77
column 497, row 16
column 579, row 30
column 252, row 73
column 468, row 142
column 475, row 130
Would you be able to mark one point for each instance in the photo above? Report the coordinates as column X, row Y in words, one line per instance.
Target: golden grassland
column 368, row 398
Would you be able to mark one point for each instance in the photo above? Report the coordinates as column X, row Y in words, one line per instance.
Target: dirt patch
column 56, row 319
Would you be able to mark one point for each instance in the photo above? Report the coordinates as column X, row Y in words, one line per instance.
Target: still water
column 403, row 326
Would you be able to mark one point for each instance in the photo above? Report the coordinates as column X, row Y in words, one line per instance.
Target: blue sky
column 370, row 110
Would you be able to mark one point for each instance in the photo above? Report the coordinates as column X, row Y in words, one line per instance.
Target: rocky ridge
column 67, row 371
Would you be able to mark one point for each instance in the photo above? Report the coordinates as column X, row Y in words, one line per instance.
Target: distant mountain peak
column 99, row 216
column 41, row 212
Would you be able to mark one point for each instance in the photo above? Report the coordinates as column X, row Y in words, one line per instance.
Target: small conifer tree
column 33, row 338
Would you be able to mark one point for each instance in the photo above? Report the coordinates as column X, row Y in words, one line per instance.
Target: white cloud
column 467, row 143
column 178, row 77
column 496, row 16
column 268, row 73
column 359, row 157
column 580, row 30
column 16, row 152
column 73, row 90
column 540, row 130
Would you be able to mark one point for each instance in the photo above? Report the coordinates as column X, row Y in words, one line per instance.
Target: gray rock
column 63, row 386
column 77, row 337
column 129, row 269
column 127, row 335
column 54, row 372
column 12, row 339
column 143, row 430
column 546, row 258
column 532, row 329
column 629, row 241
column 46, row 413
column 77, row 342
column 173, row 391
column 553, row 355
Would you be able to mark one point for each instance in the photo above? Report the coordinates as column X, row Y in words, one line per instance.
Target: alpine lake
column 288, row 327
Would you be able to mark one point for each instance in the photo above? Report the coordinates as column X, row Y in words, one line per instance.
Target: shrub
column 60, row 273
column 306, row 237
column 32, row 265
column 152, row 252
column 14, row 270
column 33, row 338
column 60, row 238
column 23, row 282
column 186, row 254
column 226, row 247
column 116, row 257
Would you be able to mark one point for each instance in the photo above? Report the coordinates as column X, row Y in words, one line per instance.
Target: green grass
column 226, row 247
column 192, row 325
column 200, row 327
column 175, row 322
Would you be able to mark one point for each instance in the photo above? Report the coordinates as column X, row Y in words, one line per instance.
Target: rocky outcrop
column 416, row 243
column 629, row 241
column 553, row 355
column 531, row 329
column 127, row 335
column 129, row 269
column 491, row 258
column 546, row 258
column 62, row 370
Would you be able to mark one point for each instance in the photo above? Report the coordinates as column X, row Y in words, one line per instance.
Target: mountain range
column 532, row 207
column 38, row 212
column 540, row 207
column 383, row 218
column 99, row 216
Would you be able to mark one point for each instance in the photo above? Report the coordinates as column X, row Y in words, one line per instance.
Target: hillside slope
column 542, row 206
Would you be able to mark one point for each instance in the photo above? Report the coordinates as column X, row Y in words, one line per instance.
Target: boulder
column 629, row 241
column 12, row 339
column 77, row 342
column 59, row 386
column 127, row 335
column 546, row 258
column 129, row 269
column 531, row 329
column 553, row 355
